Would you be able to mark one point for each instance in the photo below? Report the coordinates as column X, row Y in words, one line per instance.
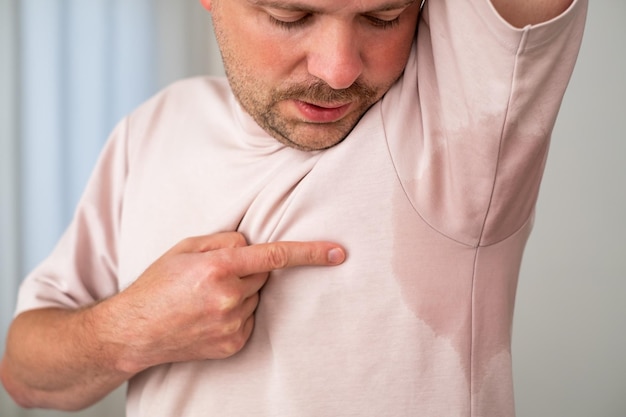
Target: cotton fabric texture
column 432, row 194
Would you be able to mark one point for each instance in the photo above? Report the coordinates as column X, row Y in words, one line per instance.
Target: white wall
column 570, row 327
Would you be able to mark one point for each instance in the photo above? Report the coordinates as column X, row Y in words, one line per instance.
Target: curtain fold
column 83, row 65
column 9, row 208
column 69, row 71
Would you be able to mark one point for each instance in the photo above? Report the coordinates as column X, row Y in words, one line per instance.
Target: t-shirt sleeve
column 471, row 145
column 82, row 268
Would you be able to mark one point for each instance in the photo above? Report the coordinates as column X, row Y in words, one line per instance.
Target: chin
column 312, row 141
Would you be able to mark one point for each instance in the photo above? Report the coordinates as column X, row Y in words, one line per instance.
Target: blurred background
column 71, row 69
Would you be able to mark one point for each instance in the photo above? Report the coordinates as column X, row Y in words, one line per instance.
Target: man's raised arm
column 520, row 13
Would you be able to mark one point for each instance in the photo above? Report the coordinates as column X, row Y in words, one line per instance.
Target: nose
column 335, row 56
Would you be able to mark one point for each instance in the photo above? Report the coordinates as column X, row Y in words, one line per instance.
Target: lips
column 314, row 113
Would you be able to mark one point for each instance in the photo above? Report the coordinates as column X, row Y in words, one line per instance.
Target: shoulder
column 182, row 106
column 182, row 114
column 189, row 92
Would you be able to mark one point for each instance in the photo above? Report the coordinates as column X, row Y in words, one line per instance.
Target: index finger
column 266, row 257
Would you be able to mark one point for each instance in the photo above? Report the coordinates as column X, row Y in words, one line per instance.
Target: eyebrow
column 295, row 6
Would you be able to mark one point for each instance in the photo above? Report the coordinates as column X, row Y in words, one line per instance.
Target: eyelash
column 384, row 24
column 289, row 25
column 378, row 23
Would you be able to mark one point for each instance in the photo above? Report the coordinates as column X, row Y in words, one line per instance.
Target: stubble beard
column 264, row 108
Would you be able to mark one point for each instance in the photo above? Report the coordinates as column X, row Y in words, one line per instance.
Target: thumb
column 211, row 242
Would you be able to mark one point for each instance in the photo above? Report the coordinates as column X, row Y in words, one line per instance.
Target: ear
column 206, row 4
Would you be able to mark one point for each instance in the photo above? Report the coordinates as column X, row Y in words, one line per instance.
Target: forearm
column 54, row 359
column 196, row 302
column 520, row 13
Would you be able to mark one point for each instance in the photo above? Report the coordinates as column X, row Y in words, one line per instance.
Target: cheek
column 386, row 63
column 386, row 54
column 272, row 61
column 392, row 52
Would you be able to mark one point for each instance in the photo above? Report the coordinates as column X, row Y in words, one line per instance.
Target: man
column 420, row 157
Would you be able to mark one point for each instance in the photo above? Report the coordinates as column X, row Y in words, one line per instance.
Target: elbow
column 28, row 397
column 14, row 389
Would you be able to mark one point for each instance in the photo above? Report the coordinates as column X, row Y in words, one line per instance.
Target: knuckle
column 313, row 256
column 227, row 350
column 186, row 241
column 215, row 263
column 276, row 257
column 232, row 328
column 226, row 302
column 183, row 245
column 232, row 345
column 239, row 240
column 229, row 300
column 235, row 342
column 216, row 271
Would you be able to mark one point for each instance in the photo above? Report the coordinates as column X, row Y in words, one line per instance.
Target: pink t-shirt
column 432, row 194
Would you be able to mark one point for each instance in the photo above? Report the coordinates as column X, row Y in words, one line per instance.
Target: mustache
column 320, row 92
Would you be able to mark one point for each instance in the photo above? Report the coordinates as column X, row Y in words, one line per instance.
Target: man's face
column 307, row 70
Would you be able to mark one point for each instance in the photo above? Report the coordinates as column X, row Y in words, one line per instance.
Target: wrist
column 111, row 333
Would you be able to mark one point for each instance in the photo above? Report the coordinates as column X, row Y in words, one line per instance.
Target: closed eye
column 383, row 23
column 289, row 23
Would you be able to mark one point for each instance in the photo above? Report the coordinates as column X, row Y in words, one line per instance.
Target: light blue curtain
column 83, row 64
column 9, row 207
column 69, row 71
